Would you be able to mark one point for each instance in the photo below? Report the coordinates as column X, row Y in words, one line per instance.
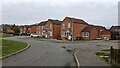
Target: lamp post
column 72, row 29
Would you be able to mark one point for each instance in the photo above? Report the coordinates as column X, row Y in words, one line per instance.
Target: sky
column 26, row 12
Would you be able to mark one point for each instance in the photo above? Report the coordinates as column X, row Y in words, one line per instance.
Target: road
column 49, row 53
column 41, row 53
column 86, row 54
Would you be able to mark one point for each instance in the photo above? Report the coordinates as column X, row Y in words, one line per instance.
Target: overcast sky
column 103, row 12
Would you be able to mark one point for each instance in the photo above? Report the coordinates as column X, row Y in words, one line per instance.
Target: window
column 116, row 29
column 50, row 33
column 24, row 28
column 50, row 26
column 42, row 27
column 63, row 25
column 68, row 25
column 85, row 34
column 46, row 26
column 39, row 27
column 63, row 33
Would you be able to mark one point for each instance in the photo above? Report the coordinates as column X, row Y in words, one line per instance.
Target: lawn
column 9, row 46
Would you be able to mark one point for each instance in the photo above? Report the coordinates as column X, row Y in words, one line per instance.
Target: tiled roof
column 100, row 27
column 42, row 23
column 77, row 20
column 55, row 21
column 115, row 27
column 88, row 28
column 34, row 24
column 25, row 26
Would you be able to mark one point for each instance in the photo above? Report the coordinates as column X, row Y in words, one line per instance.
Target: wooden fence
column 115, row 56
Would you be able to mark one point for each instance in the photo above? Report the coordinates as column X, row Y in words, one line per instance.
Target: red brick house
column 115, row 29
column 90, row 33
column 21, row 29
column 26, row 29
column 41, row 28
column 29, row 29
column 33, row 28
column 115, row 32
column 10, row 30
column 100, row 29
column 105, row 34
column 52, row 28
column 67, row 28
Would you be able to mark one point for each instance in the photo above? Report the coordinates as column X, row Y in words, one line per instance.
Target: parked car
column 34, row 35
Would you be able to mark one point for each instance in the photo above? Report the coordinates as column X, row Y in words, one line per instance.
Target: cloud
column 60, row 1
column 103, row 13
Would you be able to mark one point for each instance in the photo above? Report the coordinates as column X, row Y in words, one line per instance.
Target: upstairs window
column 63, row 25
column 50, row 26
column 39, row 27
column 68, row 25
column 46, row 26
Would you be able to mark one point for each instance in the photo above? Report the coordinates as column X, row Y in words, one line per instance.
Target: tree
column 13, row 26
column 16, row 30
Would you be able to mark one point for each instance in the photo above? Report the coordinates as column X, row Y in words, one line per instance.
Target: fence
column 115, row 56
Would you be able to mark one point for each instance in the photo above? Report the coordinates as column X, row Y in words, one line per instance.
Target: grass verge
column 105, row 55
column 9, row 46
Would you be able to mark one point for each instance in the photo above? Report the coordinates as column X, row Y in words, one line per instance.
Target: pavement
column 49, row 53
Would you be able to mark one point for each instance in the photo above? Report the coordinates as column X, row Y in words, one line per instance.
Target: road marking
column 76, row 59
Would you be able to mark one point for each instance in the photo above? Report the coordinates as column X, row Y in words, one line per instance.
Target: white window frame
column 46, row 26
column 63, row 25
column 63, row 33
column 85, row 34
column 69, row 25
column 50, row 26
column 50, row 33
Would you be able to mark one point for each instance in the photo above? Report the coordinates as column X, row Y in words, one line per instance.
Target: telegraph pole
column 72, row 29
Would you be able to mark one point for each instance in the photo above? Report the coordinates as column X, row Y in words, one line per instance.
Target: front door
column 69, row 36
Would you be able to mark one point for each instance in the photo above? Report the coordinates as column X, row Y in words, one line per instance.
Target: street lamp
column 72, row 29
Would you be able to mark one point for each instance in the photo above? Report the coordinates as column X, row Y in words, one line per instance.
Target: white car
column 34, row 35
